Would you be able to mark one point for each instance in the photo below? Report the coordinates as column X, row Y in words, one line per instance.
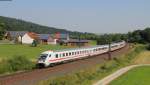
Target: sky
column 96, row 16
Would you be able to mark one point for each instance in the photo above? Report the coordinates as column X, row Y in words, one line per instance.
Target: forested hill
column 21, row 25
column 12, row 24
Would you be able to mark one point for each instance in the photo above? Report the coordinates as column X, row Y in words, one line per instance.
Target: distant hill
column 12, row 24
column 21, row 25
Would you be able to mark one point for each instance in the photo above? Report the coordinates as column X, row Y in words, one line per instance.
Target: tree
column 2, row 30
column 104, row 39
column 146, row 34
column 34, row 43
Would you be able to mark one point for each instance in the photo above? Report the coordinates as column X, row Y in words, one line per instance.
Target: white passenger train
column 49, row 58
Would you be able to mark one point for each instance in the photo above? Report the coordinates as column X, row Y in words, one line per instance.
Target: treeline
column 137, row 36
column 109, row 38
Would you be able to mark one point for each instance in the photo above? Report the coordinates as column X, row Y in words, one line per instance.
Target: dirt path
column 32, row 77
column 108, row 79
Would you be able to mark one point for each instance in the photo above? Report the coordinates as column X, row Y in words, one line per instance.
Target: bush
column 34, row 43
column 16, row 63
column 148, row 47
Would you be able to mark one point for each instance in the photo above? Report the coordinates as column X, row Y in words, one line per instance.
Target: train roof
column 70, row 49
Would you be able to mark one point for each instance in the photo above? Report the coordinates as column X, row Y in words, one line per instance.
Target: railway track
column 34, row 76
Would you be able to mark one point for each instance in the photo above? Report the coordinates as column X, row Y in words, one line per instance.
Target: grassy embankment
column 91, row 75
column 138, row 75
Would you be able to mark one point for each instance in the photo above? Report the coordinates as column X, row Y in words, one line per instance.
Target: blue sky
column 97, row 16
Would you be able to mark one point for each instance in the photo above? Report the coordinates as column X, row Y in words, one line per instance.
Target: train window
column 78, row 52
column 69, row 53
column 72, row 53
column 103, row 48
column 56, row 55
column 66, row 54
column 63, row 54
column 49, row 55
column 113, row 46
column 93, row 49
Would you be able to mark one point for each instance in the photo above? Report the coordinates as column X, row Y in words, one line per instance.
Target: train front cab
column 43, row 60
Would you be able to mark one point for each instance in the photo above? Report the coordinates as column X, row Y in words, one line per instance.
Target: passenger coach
column 49, row 58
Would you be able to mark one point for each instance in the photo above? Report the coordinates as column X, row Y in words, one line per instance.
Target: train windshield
column 43, row 56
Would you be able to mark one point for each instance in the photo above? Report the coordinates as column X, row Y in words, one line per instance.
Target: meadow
column 136, row 76
column 16, row 57
column 8, row 50
column 139, row 75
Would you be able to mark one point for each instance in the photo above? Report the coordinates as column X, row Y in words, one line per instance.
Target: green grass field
column 8, row 51
column 16, row 57
column 136, row 76
column 93, row 42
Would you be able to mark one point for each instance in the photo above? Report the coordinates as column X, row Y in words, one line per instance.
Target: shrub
column 34, row 43
column 16, row 63
column 148, row 47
